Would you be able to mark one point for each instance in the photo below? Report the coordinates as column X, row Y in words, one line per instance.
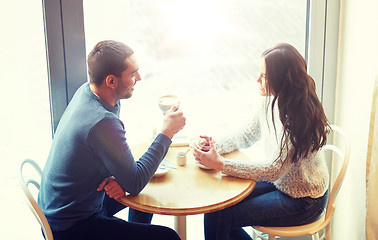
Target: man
column 89, row 153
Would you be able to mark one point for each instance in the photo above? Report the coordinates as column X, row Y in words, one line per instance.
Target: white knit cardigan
column 307, row 177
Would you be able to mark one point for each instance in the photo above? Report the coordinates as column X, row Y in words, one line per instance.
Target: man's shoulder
column 109, row 121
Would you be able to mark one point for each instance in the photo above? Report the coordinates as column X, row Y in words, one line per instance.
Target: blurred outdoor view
column 207, row 52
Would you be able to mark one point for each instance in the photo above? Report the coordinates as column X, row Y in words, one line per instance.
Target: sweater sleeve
column 108, row 141
column 265, row 168
column 243, row 138
column 265, row 161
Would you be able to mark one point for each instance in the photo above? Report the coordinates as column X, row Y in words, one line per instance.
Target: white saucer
column 201, row 166
column 163, row 168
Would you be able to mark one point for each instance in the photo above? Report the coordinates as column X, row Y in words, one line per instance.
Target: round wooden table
column 188, row 189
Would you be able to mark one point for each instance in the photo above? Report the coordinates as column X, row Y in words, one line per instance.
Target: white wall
column 357, row 68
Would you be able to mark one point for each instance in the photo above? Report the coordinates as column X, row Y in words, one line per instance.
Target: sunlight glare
column 195, row 22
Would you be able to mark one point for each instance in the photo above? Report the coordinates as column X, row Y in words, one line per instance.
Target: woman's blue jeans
column 103, row 226
column 265, row 206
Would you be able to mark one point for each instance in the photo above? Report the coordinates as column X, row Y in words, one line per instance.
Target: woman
column 284, row 139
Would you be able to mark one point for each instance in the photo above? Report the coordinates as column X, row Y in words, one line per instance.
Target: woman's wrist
column 221, row 163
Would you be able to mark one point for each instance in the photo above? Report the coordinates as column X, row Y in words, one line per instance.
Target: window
column 25, row 127
column 25, row 111
column 206, row 52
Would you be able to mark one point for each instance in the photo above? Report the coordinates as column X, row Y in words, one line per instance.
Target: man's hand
column 112, row 188
column 174, row 121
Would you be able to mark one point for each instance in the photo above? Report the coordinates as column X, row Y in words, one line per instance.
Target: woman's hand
column 112, row 188
column 205, row 153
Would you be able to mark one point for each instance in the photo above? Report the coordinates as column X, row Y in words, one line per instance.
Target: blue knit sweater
column 90, row 145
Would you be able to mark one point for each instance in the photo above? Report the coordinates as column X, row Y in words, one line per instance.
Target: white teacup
column 167, row 101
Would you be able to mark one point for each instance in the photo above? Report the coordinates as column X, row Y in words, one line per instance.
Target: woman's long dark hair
column 300, row 110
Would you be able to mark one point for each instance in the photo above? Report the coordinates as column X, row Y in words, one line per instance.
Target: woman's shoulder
column 313, row 158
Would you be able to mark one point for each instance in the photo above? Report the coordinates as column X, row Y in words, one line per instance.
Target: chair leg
column 315, row 236
column 257, row 235
column 253, row 234
column 328, row 232
column 272, row 237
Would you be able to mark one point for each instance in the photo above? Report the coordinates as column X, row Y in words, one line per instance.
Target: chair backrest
column 340, row 148
column 32, row 204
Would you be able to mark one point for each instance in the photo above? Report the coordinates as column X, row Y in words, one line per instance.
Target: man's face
column 129, row 77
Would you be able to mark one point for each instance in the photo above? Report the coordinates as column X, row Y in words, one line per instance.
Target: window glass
column 25, row 113
column 206, row 52
column 25, row 110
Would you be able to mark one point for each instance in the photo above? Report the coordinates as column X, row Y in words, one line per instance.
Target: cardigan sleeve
column 266, row 168
column 243, row 138
column 264, row 142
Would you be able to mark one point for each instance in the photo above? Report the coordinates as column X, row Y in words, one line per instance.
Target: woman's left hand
column 211, row 158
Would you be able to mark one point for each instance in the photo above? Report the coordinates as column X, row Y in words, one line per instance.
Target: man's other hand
column 112, row 188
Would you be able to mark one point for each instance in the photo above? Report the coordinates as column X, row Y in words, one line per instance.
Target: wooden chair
column 312, row 229
column 32, row 204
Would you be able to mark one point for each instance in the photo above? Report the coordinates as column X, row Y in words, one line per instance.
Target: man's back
column 74, row 170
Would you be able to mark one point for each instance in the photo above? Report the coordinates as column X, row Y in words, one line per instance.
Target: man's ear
column 111, row 81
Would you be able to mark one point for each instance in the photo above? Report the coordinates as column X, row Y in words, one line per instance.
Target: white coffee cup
column 181, row 158
column 167, row 101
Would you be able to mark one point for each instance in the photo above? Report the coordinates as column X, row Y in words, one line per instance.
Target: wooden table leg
column 180, row 226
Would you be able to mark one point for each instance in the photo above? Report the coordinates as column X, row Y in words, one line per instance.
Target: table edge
column 190, row 211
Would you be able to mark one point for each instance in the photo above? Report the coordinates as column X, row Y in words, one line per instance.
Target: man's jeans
column 103, row 225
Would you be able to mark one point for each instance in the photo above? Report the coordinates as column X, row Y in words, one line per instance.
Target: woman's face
column 262, row 78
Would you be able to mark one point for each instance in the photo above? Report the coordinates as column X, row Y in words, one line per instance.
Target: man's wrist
column 168, row 134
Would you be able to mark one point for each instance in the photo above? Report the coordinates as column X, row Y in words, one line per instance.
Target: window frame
column 323, row 18
column 65, row 50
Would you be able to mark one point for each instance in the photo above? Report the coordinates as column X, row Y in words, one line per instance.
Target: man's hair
column 107, row 58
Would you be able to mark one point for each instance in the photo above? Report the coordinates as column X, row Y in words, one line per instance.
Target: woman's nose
column 258, row 79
